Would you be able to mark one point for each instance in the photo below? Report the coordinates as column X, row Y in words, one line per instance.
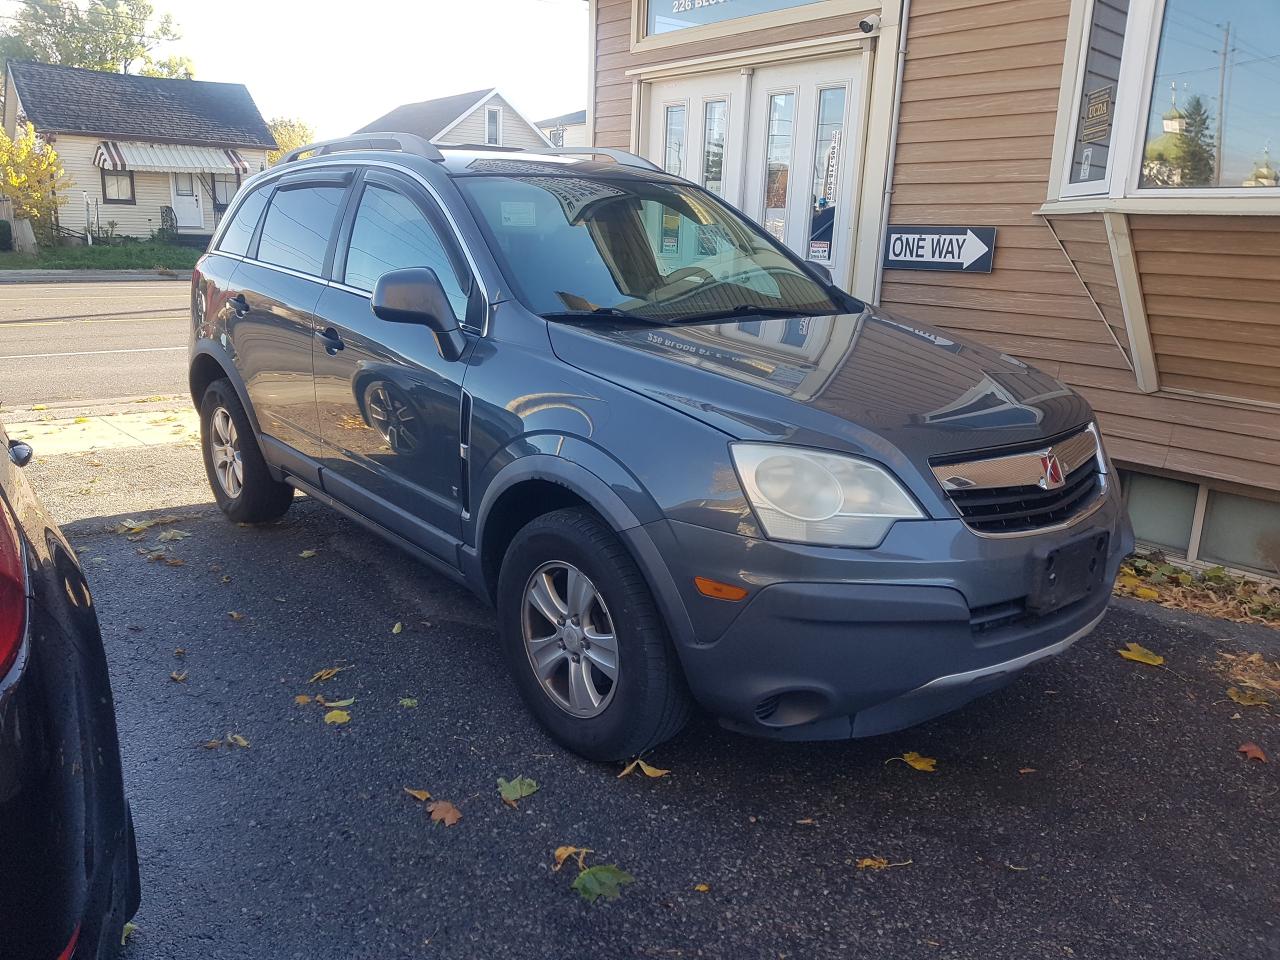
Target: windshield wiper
column 602, row 312
column 751, row 310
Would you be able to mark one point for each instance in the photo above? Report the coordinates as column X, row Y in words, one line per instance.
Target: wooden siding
column 1211, row 285
column 515, row 132
column 975, row 145
column 614, row 57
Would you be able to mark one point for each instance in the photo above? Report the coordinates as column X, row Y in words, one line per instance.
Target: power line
column 85, row 29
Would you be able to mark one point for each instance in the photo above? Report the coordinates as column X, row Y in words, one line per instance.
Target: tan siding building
column 479, row 117
column 1137, row 222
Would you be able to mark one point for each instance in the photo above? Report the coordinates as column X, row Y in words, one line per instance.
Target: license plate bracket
column 1068, row 573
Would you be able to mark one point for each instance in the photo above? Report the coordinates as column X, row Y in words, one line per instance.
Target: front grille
column 1014, row 492
column 1017, row 509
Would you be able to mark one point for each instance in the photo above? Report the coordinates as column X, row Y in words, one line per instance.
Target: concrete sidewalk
column 90, row 276
column 104, row 432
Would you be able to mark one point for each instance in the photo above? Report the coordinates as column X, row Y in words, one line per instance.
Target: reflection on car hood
column 852, row 381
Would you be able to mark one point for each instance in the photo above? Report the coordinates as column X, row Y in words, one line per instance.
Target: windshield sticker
column 519, row 213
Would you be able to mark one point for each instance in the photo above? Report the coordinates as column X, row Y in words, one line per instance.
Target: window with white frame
column 665, row 16
column 493, row 126
column 1101, row 55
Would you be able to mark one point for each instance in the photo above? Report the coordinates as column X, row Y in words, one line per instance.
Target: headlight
column 814, row 497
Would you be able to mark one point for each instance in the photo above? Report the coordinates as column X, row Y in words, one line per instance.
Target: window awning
column 167, row 158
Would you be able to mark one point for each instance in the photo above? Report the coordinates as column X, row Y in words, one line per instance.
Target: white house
column 479, row 117
column 566, row 130
column 132, row 145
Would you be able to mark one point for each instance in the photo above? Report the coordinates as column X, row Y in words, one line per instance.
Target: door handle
column 332, row 342
column 239, row 304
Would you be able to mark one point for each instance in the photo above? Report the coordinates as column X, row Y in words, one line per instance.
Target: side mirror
column 820, row 270
column 20, row 453
column 414, row 295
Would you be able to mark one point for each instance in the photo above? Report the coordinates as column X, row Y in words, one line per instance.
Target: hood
column 865, row 383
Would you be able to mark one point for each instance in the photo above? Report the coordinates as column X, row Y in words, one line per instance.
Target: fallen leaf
column 177, row 677
column 39, row 406
column 422, row 795
column 137, row 526
column 606, row 880
column 564, row 853
column 517, row 789
column 408, row 701
column 337, row 717
column 1026, row 770
column 225, row 580
column 1146, row 593
column 916, row 761
column 1140, row 654
column 702, row 887
column 307, row 554
column 1252, row 751
column 1019, row 869
column 211, row 744
column 878, row 863
column 398, row 627
column 235, row 614
column 174, row 561
column 646, row 769
column 302, row 699
column 328, row 673
column 442, row 811
column 82, row 420
column 127, row 931
column 335, row 703
column 179, row 651
column 169, row 536
column 807, row 822
column 1247, row 698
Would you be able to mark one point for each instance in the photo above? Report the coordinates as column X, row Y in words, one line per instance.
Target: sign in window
column 1092, row 145
column 826, row 173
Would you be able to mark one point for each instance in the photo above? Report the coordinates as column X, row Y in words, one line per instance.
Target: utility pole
column 1222, row 104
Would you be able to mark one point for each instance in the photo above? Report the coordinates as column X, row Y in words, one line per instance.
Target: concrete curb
column 90, row 276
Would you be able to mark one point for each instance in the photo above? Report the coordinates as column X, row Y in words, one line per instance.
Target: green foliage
column 1196, row 163
column 31, row 175
column 112, row 35
column 605, row 881
column 142, row 255
column 174, row 68
column 290, row 134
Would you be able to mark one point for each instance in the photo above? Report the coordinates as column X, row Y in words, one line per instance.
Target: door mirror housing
column 415, row 295
column 820, row 270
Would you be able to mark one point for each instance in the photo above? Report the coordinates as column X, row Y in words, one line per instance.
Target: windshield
column 655, row 251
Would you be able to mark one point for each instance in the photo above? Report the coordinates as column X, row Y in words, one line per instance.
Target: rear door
column 275, row 293
column 389, row 405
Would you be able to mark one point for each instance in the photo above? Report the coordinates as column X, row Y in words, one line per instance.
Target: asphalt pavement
column 1096, row 808
column 78, row 341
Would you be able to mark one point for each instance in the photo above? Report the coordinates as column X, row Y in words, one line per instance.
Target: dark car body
column 67, row 851
column 637, row 422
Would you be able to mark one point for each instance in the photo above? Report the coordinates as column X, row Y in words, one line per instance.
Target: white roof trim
column 480, row 103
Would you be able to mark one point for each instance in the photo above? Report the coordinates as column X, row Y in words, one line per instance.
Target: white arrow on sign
column 936, row 248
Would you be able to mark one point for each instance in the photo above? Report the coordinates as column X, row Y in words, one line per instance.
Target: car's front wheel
column 238, row 475
column 586, row 645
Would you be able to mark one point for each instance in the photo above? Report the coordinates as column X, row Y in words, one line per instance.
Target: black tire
column 261, row 498
column 650, row 702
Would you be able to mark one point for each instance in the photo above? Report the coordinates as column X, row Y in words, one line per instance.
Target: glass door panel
column 826, row 173
column 779, row 140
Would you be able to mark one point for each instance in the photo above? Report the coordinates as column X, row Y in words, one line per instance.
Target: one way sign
column 966, row 249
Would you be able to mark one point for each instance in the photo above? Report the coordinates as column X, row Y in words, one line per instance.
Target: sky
column 338, row 66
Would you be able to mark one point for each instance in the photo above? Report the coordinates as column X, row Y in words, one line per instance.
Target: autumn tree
column 289, row 134
column 31, row 176
column 114, row 35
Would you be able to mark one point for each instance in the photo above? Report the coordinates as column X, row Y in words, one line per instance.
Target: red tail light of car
column 13, row 590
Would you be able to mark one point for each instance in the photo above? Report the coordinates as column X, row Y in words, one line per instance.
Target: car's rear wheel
column 238, row 475
column 585, row 643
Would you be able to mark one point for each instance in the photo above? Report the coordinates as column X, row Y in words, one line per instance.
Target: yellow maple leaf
column 337, row 717
column 917, row 761
column 647, row 769
column 565, row 852
column 702, row 887
column 1146, row 593
column 422, row 795
column 1140, row 654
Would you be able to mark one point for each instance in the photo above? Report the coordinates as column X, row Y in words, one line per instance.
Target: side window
column 235, row 239
column 389, row 233
column 296, row 231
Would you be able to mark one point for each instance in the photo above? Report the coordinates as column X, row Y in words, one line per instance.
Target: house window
column 117, row 186
column 185, row 184
column 715, row 119
column 664, row 16
column 673, row 142
column 225, row 186
column 1213, row 114
column 1099, row 82
column 493, row 126
column 556, row 136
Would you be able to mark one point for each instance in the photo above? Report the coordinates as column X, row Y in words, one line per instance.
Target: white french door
column 781, row 145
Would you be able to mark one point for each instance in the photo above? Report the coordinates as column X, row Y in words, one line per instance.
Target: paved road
column 79, row 341
column 1140, row 834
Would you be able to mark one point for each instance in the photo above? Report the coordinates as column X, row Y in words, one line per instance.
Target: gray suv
column 682, row 464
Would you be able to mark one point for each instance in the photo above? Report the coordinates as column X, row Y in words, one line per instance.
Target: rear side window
column 296, row 231
column 391, row 232
column 235, row 239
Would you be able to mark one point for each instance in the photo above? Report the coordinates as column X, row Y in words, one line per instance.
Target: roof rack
column 404, row 142
column 620, row 156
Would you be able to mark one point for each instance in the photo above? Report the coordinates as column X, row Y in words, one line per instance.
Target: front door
column 780, row 145
column 186, row 200
column 389, row 404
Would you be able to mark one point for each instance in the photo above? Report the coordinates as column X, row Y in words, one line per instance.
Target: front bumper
column 835, row 643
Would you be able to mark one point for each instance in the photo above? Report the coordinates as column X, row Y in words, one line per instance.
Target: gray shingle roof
column 567, row 119
column 61, row 99
column 426, row 119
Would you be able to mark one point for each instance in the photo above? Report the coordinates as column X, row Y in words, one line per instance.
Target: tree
column 289, row 134
column 1197, row 161
column 112, row 35
column 31, row 175
column 174, row 68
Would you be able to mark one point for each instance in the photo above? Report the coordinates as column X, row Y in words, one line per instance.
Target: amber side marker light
column 718, row 590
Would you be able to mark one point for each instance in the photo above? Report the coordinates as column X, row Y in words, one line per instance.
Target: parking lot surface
column 1097, row 808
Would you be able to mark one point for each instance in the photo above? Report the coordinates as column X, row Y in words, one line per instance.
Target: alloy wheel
column 224, row 451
